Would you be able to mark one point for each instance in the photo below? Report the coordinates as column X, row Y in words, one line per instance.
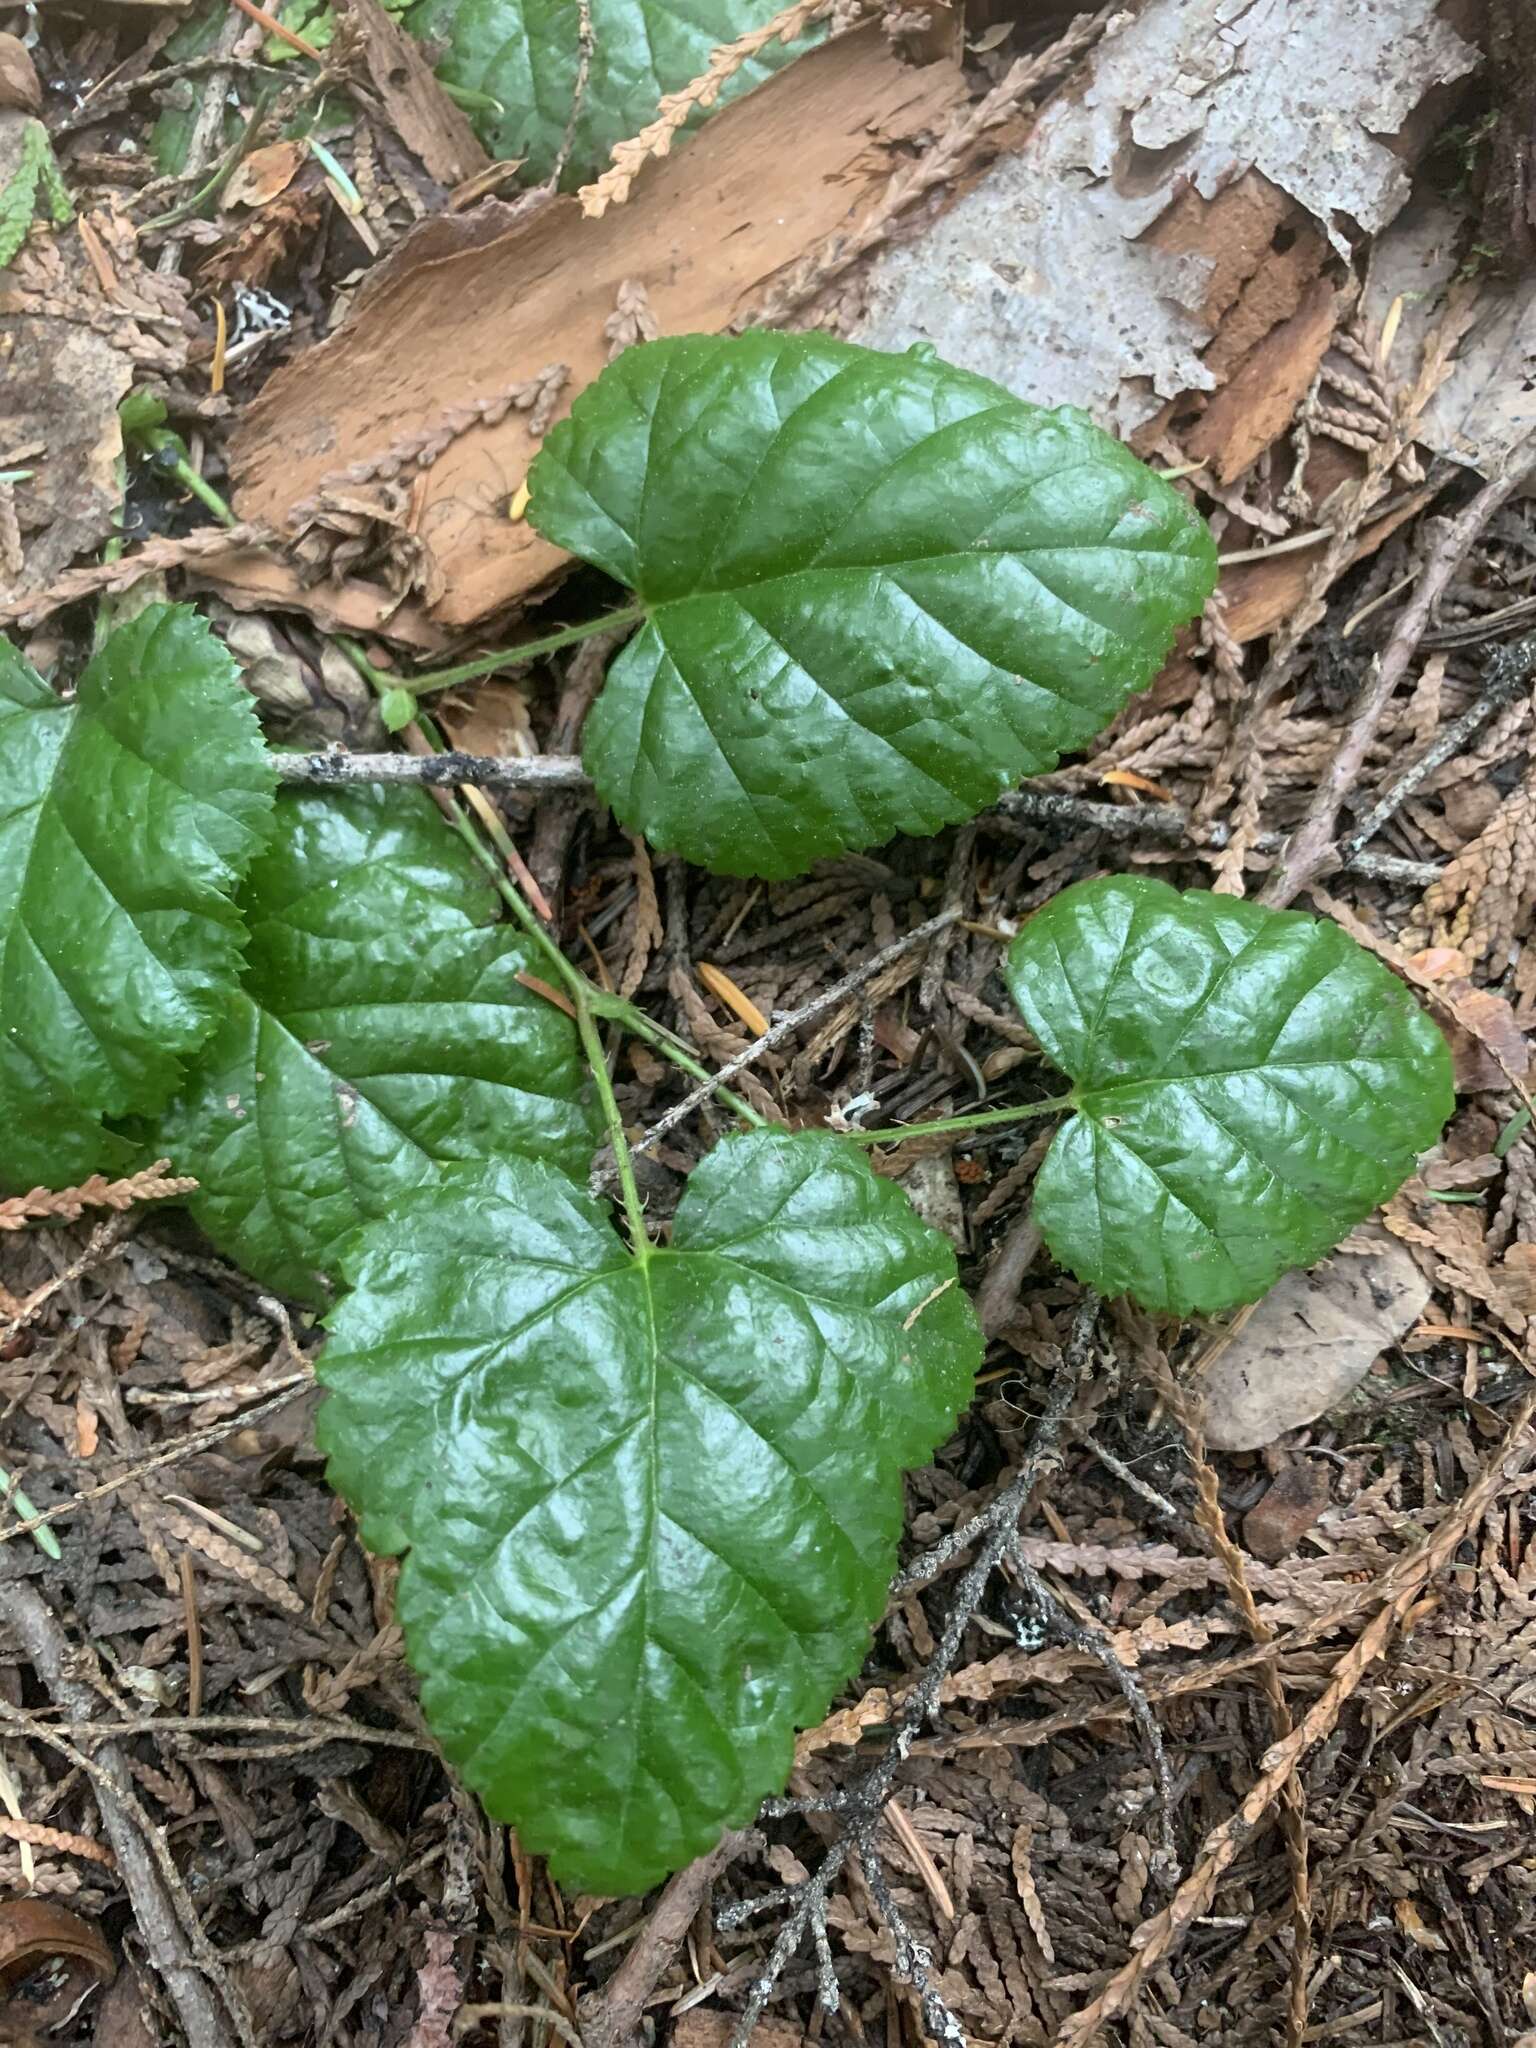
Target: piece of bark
column 379, row 53
column 470, row 310
column 1259, row 401
column 1310, row 1342
column 1086, row 267
column 1292, row 1506
column 1509, row 200
column 80, row 317
column 1482, row 411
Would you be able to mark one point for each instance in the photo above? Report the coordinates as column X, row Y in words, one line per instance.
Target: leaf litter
column 233, row 1650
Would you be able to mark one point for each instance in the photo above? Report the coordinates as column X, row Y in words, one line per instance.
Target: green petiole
column 487, row 664
column 27, row 1511
column 980, row 1121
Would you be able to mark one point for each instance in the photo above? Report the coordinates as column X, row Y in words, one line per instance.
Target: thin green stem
column 597, row 1060
column 671, row 1047
column 201, row 489
column 170, row 452
column 14, row 1498
column 980, row 1121
column 602, row 1003
column 488, row 664
column 222, row 175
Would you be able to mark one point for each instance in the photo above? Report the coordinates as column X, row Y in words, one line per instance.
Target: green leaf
column 126, row 821
column 651, row 1504
column 1250, row 1083
column 397, row 708
column 877, row 589
column 34, row 184
column 381, row 1032
column 526, row 56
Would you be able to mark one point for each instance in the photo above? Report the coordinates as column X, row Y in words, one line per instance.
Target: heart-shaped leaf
column 877, row 590
column 527, row 56
column 382, row 1031
column 126, row 821
column 651, row 1503
column 1249, row 1084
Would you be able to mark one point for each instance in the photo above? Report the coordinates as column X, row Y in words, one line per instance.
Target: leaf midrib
column 652, row 607
column 1085, row 1098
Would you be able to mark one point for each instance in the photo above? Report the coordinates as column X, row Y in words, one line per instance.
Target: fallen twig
column 859, row 1807
column 611, row 2018
column 337, row 769
column 1169, row 824
column 1156, row 1937
column 1509, row 671
column 1310, row 852
column 166, row 1918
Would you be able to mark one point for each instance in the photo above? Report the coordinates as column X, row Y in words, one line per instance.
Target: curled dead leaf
column 264, row 174
column 32, row 1932
column 57, row 1956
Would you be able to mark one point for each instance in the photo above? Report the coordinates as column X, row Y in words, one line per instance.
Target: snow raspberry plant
column 648, row 1494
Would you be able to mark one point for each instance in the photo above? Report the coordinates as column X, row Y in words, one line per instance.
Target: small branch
column 337, row 769
column 1310, row 853
column 998, row 1295
column 611, row 2018
column 1169, row 824
column 1095, row 1643
column 783, row 1027
column 1509, row 670
column 177, row 1946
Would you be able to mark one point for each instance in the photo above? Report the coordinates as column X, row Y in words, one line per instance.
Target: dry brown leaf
column 492, row 718
column 699, row 2028
column 1295, row 1500
column 19, row 83
column 266, row 172
column 1308, row 1343
column 388, row 62
column 1516, row 1277
column 1416, row 1927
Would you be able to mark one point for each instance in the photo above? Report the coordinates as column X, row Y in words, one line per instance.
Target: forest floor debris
column 1210, row 1730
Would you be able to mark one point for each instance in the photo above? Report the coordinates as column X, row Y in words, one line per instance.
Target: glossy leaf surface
column 877, row 589
column 126, row 821
column 1249, row 1084
column 526, row 55
column 651, row 1505
column 382, row 1032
